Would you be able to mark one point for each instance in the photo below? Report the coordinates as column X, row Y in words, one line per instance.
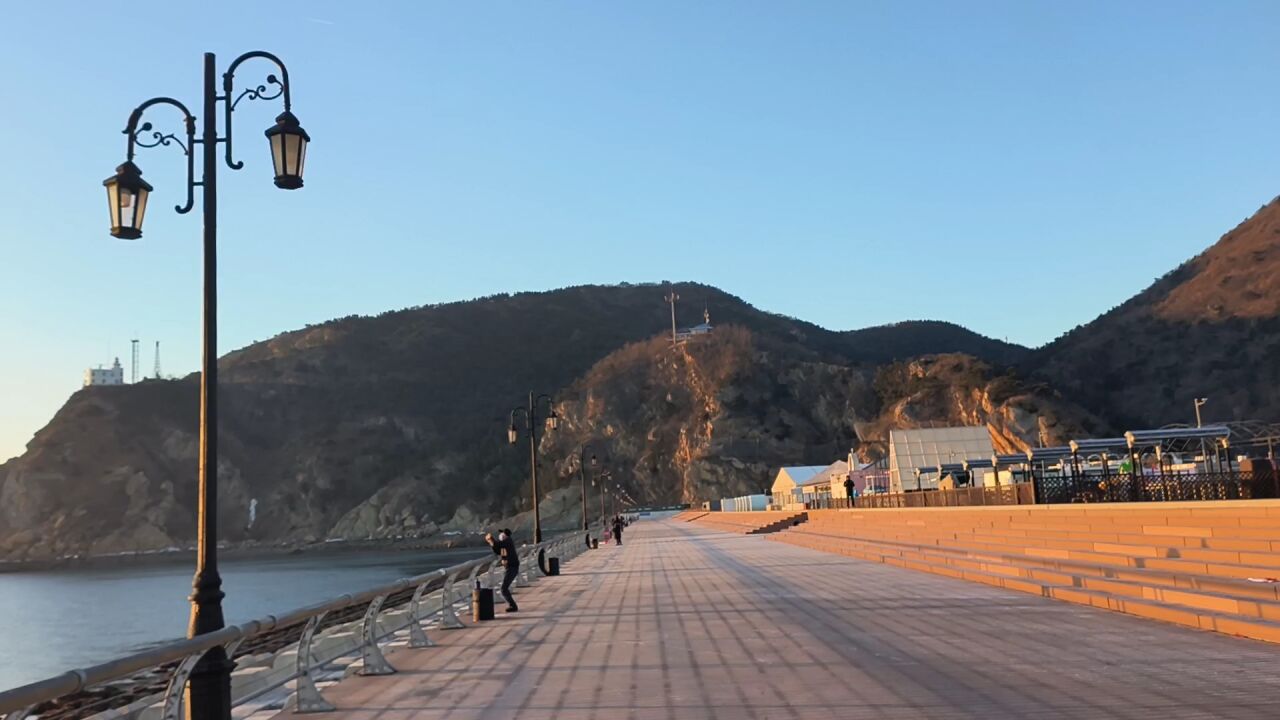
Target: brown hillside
column 1210, row 328
column 1239, row 277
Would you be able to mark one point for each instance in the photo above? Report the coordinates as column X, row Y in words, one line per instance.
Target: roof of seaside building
column 789, row 478
column 838, row 469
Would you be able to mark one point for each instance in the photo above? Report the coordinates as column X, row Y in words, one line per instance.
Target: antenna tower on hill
column 133, row 368
column 157, row 370
column 671, row 299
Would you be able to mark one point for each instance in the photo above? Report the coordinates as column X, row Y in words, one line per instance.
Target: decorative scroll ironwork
column 135, row 130
column 260, row 92
column 257, row 92
column 157, row 139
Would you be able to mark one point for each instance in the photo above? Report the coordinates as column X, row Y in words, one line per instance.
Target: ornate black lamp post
column 531, row 425
column 209, row 692
column 604, row 476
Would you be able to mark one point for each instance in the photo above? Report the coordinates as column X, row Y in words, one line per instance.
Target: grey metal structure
column 376, row 628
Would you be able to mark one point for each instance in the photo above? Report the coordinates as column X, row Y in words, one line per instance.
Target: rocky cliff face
column 953, row 389
column 711, row 418
column 717, row 416
column 396, row 425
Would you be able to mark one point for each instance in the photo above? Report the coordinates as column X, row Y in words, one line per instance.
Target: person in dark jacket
column 505, row 548
column 848, row 489
column 617, row 529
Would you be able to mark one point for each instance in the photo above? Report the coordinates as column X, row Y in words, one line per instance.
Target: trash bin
column 481, row 603
column 595, row 543
column 553, row 566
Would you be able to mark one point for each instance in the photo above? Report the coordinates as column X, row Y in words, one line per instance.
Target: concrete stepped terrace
column 1213, row 566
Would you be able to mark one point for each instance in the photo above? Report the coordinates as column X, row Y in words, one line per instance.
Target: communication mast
column 133, row 368
column 157, row 371
column 671, row 299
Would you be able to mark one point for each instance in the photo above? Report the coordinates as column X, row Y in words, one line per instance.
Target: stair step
column 1203, row 562
column 1179, row 576
column 1165, row 610
column 1255, row 599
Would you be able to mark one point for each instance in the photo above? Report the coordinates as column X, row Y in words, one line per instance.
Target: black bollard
column 553, row 566
column 481, row 603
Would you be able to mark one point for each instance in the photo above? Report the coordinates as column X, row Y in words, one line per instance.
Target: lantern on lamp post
column 127, row 195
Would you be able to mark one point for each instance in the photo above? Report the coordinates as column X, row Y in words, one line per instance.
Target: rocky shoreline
column 236, row 552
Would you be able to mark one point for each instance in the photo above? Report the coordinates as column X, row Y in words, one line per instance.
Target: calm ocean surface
column 55, row 621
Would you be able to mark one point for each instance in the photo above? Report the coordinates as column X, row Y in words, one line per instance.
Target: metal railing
column 158, row 676
column 1091, row 487
column 1019, row 494
column 1154, row 487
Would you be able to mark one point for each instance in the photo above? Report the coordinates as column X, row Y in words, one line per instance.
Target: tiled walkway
column 685, row 623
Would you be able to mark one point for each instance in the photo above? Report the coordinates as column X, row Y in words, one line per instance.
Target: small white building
column 113, row 375
column 791, row 483
column 685, row 334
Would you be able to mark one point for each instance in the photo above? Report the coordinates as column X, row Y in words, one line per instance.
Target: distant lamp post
column 1204, row 453
column 531, row 426
column 604, row 476
column 209, row 691
column 582, row 478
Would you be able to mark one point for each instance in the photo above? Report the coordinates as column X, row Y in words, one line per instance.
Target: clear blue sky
column 1016, row 167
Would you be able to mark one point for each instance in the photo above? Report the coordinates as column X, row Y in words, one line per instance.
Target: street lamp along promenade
column 208, row 695
column 582, row 478
column 531, row 426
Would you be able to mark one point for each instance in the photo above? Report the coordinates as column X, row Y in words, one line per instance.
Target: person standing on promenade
column 848, row 489
column 505, row 548
column 617, row 528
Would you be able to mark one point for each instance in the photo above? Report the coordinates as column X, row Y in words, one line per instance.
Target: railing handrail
column 75, row 680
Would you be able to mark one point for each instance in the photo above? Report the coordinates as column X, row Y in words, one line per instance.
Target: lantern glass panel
column 128, row 209
column 292, row 154
column 302, row 156
column 512, row 436
column 113, row 203
column 277, row 153
column 141, row 205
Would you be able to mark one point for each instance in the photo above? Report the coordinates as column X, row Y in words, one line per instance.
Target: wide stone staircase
column 750, row 523
column 1214, row 566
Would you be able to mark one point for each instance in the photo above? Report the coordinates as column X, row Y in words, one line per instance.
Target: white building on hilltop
column 686, row 334
column 113, row 375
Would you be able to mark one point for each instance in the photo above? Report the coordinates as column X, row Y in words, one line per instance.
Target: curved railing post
column 306, row 696
column 373, row 661
column 525, row 576
column 177, row 686
column 448, row 618
column 417, row 636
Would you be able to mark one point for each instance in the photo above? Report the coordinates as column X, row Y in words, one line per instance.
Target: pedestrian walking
column 505, row 548
column 617, row 529
column 848, row 489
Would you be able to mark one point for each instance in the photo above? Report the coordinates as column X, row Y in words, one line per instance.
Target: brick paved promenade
column 683, row 622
